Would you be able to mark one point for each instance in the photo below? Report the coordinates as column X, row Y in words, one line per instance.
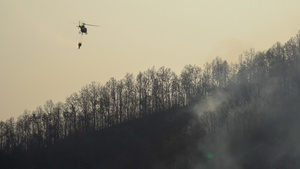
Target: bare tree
column 94, row 99
column 120, row 100
column 130, row 98
column 72, row 102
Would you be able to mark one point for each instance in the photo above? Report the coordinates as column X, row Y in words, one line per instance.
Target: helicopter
column 83, row 29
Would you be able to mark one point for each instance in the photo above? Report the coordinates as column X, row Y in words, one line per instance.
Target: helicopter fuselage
column 83, row 29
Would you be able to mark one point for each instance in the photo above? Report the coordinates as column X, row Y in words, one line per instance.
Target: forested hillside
column 241, row 115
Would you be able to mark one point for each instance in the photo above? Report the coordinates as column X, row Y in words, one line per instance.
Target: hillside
column 245, row 136
column 142, row 143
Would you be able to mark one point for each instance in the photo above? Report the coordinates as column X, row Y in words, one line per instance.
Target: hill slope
column 142, row 143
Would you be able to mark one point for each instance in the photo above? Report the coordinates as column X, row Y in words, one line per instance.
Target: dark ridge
column 139, row 143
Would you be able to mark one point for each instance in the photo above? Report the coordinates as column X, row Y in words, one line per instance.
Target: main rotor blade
column 92, row 25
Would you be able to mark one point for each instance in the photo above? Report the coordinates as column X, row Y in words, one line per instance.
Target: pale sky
column 40, row 60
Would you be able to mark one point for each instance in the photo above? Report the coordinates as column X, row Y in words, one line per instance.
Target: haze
column 40, row 60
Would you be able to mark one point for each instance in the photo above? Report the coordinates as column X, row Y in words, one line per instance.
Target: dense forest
column 241, row 115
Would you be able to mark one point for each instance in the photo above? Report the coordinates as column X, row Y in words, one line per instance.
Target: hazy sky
column 40, row 60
